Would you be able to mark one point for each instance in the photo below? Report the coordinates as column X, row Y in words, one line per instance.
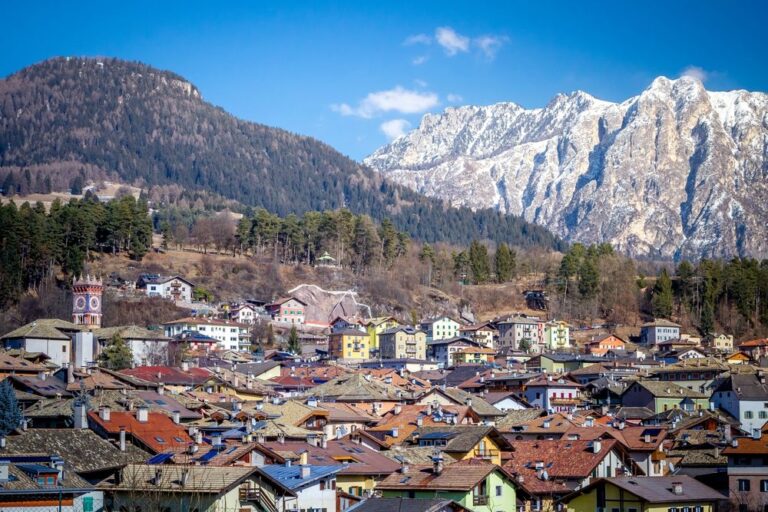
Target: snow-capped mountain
column 677, row 171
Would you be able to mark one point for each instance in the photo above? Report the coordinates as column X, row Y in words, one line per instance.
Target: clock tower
column 86, row 306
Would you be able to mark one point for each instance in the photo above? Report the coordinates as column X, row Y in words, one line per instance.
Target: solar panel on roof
column 160, row 458
column 208, row 456
column 651, row 432
column 438, row 435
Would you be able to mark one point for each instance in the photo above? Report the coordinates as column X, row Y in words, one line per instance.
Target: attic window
column 160, row 440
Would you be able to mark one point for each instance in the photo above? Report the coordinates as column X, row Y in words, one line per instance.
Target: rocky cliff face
column 677, row 171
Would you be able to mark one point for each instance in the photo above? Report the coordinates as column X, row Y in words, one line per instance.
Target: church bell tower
column 86, row 306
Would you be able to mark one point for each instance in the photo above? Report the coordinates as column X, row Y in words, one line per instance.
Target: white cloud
column 696, row 72
column 451, row 41
column 418, row 61
column 421, row 83
column 395, row 128
column 417, row 39
column 454, row 98
column 401, row 100
column 490, row 45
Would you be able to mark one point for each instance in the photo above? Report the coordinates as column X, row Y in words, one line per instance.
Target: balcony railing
column 480, row 500
column 488, row 453
column 249, row 494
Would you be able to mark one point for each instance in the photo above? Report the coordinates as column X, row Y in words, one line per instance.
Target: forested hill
column 110, row 118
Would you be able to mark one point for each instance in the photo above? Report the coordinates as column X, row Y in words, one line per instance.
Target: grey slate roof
column 658, row 489
column 407, row 505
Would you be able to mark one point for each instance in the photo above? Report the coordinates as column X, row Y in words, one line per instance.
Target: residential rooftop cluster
column 505, row 415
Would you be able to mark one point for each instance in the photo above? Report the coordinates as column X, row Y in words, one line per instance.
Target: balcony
column 250, row 494
column 479, row 500
column 486, row 454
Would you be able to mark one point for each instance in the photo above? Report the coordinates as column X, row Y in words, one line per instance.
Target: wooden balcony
column 479, row 500
column 485, row 454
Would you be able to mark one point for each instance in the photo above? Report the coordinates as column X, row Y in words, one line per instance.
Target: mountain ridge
column 598, row 171
column 105, row 117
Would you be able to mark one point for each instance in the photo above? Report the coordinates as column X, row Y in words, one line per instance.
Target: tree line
column 351, row 240
column 35, row 242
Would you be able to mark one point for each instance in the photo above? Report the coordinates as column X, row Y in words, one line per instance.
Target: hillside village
column 341, row 410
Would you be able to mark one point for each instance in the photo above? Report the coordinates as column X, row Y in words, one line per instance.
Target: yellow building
column 376, row 326
column 473, row 355
column 644, row 494
column 349, row 344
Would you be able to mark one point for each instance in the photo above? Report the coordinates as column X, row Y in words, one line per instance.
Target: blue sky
column 355, row 73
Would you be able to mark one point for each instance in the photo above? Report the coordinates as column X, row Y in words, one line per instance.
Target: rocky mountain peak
column 676, row 171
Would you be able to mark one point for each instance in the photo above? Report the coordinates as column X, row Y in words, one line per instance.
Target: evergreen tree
column 270, row 336
column 589, row 278
column 505, row 263
column 478, row 262
column 10, row 414
column 294, row 345
column 662, row 300
column 116, row 355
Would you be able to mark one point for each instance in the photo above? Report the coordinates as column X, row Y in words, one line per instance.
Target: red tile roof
column 159, row 433
column 170, row 375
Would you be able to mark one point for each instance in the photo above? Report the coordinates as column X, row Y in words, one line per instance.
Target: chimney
column 597, row 445
column 158, row 476
column 142, row 414
column 4, row 471
column 281, row 438
column 185, row 366
column 590, row 422
column 57, row 463
column 395, row 432
column 437, row 463
column 323, row 442
column 216, row 440
column 388, row 379
column 198, row 437
column 312, row 401
column 734, row 443
column 546, row 423
column 176, row 417
column 756, row 433
column 3, row 442
column 81, row 416
column 41, row 375
column 397, row 409
column 468, row 402
column 193, row 449
column 419, row 421
column 105, row 413
column 304, row 458
column 677, row 488
column 304, row 471
column 404, row 467
column 184, row 477
column 647, row 438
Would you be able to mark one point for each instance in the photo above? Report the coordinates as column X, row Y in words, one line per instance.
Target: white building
column 518, row 328
column 655, row 332
column 744, row 396
column 231, row 335
column 441, row 328
column 553, row 394
column 175, row 288
column 314, row 486
column 243, row 314
column 51, row 336
column 442, row 350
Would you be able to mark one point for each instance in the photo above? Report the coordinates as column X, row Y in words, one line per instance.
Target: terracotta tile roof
column 748, row 446
column 159, row 433
column 364, row 461
column 407, row 421
column 761, row 342
column 561, row 459
column 558, row 425
column 460, row 476
column 340, row 411
column 460, row 397
column 170, row 375
column 464, row 438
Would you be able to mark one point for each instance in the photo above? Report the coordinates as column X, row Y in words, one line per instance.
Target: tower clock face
column 80, row 303
column 95, row 303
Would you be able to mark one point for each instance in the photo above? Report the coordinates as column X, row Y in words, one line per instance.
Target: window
column 88, row 504
column 322, row 485
column 743, row 484
column 748, row 415
column 499, row 490
column 762, row 415
column 763, row 485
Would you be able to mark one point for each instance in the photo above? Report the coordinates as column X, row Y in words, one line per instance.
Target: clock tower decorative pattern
column 86, row 306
